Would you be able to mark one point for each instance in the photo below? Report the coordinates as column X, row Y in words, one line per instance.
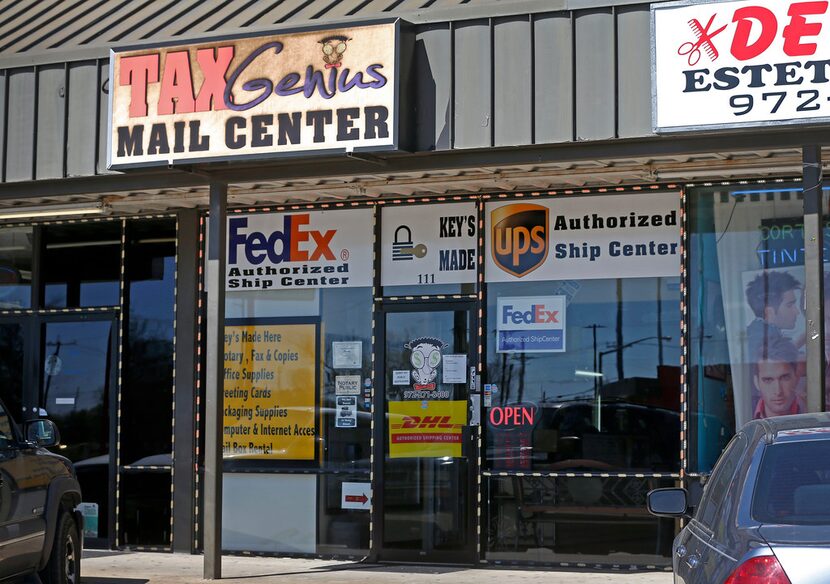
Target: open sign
column 513, row 416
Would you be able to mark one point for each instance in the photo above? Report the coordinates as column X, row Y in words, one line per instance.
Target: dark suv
column 40, row 529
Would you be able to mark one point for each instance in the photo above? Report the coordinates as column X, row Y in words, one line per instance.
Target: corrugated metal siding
column 43, row 25
column 633, row 72
column 553, row 106
column 82, row 119
column 596, row 75
column 103, row 113
column 473, row 106
column 513, row 83
column 434, row 74
column 20, row 126
column 50, row 128
column 507, row 81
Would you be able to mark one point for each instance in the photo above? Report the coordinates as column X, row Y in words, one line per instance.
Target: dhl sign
column 430, row 429
column 426, row 422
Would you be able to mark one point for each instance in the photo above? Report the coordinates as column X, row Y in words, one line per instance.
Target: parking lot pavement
column 156, row 568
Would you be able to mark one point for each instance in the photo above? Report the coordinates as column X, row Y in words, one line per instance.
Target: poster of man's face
column 786, row 313
column 777, row 383
column 774, row 339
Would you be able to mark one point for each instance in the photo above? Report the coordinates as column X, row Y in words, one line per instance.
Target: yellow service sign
column 429, row 429
column 270, row 392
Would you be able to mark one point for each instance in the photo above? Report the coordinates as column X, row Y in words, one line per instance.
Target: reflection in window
column 77, row 362
column 144, row 517
column 81, row 264
column 794, row 483
column 11, row 368
column 576, row 519
column 16, row 267
column 147, row 382
column 7, row 437
column 75, row 391
column 826, row 262
column 747, row 325
column 342, row 449
column 147, row 378
column 610, row 401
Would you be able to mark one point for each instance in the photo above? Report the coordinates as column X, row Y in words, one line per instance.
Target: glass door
column 78, row 377
column 425, row 495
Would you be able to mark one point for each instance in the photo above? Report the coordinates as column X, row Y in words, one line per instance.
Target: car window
column 719, row 481
column 6, row 432
column 793, row 486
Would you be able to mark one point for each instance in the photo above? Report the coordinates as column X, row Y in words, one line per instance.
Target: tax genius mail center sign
column 255, row 97
column 740, row 63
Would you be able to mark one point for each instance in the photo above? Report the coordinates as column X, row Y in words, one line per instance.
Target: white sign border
column 703, row 127
column 394, row 146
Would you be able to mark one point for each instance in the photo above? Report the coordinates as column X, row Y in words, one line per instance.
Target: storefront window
column 82, row 264
column 147, row 383
column 826, row 263
column 747, row 328
column 15, row 268
column 11, row 367
column 147, row 376
column 77, row 362
column 298, row 384
column 576, row 519
column 610, row 401
column 582, row 335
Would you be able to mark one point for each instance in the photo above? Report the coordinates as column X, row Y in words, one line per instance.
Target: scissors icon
column 704, row 41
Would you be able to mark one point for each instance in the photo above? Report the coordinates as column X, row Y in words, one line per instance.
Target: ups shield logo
column 520, row 237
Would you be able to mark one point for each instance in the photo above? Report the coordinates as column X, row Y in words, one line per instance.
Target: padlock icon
column 402, row 244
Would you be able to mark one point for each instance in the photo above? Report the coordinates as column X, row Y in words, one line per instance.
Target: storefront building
column 413, row 281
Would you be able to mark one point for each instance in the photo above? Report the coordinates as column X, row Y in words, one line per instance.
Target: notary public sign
column 741, row 63
column 255, row 97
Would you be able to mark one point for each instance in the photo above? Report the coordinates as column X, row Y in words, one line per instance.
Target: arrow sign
column 354, row 496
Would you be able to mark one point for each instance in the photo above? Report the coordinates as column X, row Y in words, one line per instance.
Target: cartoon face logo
column 333, row 49
column 425, row 358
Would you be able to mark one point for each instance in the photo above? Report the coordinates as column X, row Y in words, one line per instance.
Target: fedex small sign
column 531, row 324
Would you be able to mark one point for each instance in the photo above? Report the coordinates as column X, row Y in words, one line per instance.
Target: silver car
column 764, row 516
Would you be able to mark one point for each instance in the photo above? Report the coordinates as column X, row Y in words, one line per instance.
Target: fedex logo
column 531, row 324
column 537, row 314
column 294, row 243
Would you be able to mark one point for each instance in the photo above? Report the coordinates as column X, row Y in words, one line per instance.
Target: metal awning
column 558, row 176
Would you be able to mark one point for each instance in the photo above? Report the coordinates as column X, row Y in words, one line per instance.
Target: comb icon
column 703, row 40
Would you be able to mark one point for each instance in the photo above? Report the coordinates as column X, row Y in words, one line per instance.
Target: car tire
column 64, row 565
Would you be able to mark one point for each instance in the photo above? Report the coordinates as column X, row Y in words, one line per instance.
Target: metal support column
column 814, row 277
column 215, row 273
